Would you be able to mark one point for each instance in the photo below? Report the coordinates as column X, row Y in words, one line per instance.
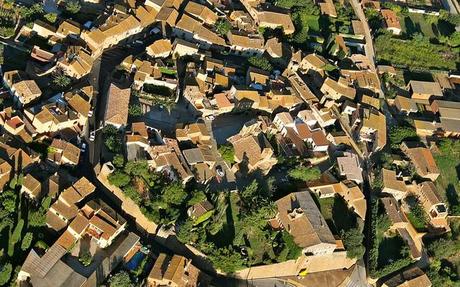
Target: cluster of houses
column 90, row 227
column 306, row 108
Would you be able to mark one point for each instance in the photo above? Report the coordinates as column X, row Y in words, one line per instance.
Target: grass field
column 447, row 183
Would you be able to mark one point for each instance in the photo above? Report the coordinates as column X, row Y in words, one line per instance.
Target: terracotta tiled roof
column 301, row 217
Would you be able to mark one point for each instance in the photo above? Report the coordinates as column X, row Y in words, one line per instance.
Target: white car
column 210, row 117
column 83, row 147
column 92, row 136
column 90, row 113
column 220, row 172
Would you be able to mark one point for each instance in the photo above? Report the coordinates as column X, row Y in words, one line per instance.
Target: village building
column 422, row 92
column 62, row 152
column 23, row 89
column 337, row 90
column 173, row 271
column 104, row 229
column 423, row 161
column 433, row 205
column 116, row 110
column 64, row 210
column 350, row 167
column 412, row 277
column 299, row 215
column 255, row 152
column 160, row 48
column 31, row 187
column 391, row 21
column 393, row 185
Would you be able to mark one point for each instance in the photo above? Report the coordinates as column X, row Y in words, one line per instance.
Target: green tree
column 118, row 161
column 5, row 273
column 119, row 178
column 454, row 39
column 255, row 195
column 223, row 26
column 37, row 218
column 137, row 168
column 398, row 134
column 197, row 197
column 46, row 202
column 353, row 241
column 228, row 153
column 121, row 279
column 27, row 241
column 186, row 232
column 51, row 17
column 72, row 6
column 8, row 200
column 85, row 258
column 303, row 173
column 15, row 236
column 227, row 260
column 135, row 110
column 61, row 81
column 174, row 194
column 261, row 63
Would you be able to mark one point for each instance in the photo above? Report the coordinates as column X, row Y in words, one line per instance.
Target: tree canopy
column 261, row 63
column 121, row 279
column 72, row 6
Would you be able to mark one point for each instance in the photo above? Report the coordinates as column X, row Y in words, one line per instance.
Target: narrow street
column 369, row 47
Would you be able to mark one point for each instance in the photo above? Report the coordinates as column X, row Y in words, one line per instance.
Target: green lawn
column 447, row 183
column 313, row 23
column 418, row 223
column 417, row 23
column 336, row 213
column 390, row 250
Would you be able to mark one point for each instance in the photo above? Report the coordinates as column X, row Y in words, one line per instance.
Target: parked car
column 83, row 147
column 92, row 136
column 90, row 113
column 220, row 171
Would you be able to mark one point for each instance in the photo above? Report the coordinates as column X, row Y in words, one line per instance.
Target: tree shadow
column 344, row 218
column 452, row 196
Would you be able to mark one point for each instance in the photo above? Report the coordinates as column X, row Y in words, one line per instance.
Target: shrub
column 27, row 241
